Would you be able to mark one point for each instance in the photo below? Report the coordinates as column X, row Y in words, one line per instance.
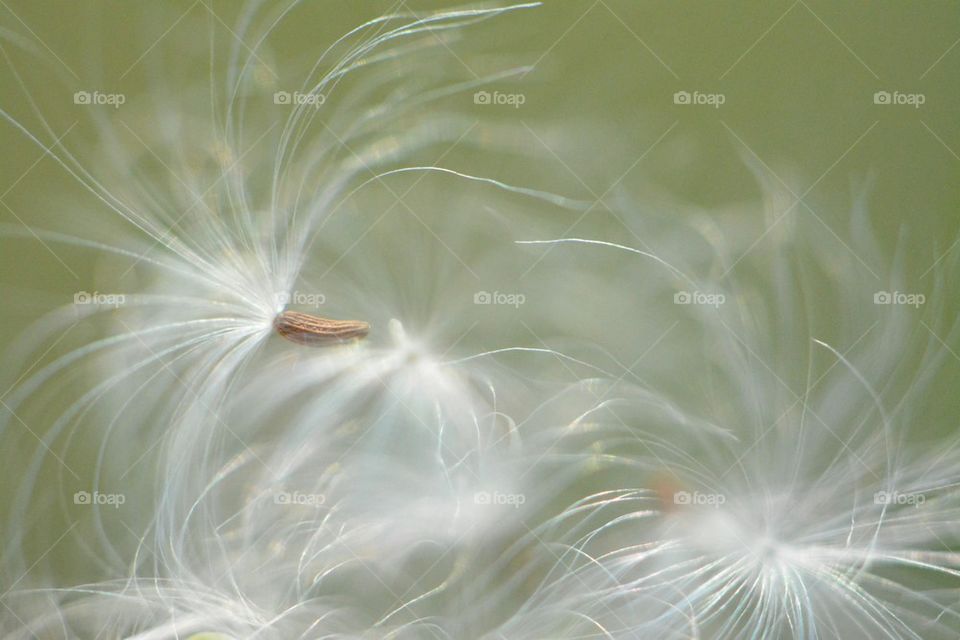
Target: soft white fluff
column 469, row 470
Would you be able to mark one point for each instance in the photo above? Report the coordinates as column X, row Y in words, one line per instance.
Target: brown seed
column 315, row 331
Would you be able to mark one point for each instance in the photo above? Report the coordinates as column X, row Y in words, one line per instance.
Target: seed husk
column 314, row 331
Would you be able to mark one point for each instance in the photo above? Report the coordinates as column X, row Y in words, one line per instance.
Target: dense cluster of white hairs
column 548, row 465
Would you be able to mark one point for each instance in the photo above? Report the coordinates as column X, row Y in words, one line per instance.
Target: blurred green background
column 797, row 78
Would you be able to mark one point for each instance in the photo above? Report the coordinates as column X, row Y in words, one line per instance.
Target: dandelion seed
column 314, row 331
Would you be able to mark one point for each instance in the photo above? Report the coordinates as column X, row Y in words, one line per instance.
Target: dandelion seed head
column 757, row 480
